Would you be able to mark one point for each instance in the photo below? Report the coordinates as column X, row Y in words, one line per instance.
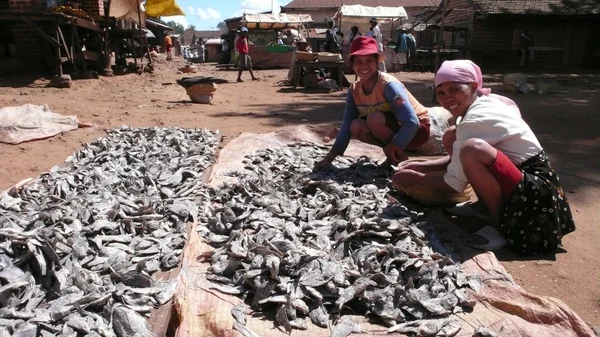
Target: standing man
column 243, row 50
column 168, row 46
column 331, row 42
column 379, row 38
column 411, row 54
column 400, row 58
column 354, row 33
column 526, row 46
column 202, row 52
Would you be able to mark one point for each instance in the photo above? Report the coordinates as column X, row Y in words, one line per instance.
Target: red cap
column 365, row 45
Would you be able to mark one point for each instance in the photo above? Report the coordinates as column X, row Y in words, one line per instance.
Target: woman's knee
column 449, row 138
column 358, row 127
column 375, row 119
column 475, row 149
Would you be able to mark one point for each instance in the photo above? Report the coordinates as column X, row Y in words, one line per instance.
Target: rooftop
column 370, row 3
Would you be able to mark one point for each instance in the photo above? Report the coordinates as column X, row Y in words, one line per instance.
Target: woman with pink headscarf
column 493, row 149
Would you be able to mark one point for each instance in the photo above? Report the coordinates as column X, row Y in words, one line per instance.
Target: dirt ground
column 566, row 124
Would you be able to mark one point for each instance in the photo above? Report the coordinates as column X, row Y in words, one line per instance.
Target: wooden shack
column 565, row 33
column 213, row 50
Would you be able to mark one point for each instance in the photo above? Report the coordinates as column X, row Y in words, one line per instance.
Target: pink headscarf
column 465, row 71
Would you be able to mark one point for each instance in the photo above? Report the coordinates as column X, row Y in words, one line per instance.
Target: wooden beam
column 63, row 42
column 441, row 40
column 92, row 56
column 91, row 25
column 41, row 32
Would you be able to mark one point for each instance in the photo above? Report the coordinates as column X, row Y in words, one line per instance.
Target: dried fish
column 79, row 244
column 305, row 243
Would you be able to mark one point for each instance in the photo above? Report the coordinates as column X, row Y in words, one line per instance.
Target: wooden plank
column 59, row 70
column 63, row 42
column 87, row 24
column 92, row 56
column 41, row 32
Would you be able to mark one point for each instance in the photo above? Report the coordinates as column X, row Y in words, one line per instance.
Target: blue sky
column 206, row 14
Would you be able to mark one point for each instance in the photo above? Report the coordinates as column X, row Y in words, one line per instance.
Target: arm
column 395, row 94
column 343, row 136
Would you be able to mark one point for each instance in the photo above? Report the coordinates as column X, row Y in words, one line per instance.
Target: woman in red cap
column 379, row 109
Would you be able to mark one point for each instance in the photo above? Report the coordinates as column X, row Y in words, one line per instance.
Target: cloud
column 204, row 14
column 177, row 18
column 257, row 6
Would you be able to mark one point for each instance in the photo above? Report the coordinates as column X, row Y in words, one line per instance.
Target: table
column 316, row 64
column 50, row 27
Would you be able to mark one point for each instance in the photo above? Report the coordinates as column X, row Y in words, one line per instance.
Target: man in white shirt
column 376, row 34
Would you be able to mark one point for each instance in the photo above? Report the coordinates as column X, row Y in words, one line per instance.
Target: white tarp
column 381, row 13
column 30, row 122
column 275, row 21
column 388, row 18
column 126, row 10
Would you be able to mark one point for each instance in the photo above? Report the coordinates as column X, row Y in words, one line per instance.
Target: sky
column 206, row 14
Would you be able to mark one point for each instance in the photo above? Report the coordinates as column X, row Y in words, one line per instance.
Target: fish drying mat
column 501, row 305
column 78, row 243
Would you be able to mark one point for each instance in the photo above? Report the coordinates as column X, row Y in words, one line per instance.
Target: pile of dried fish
column 80, row 243
column 309, row 245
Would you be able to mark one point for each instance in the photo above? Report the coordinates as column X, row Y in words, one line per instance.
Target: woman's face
column 365, row 66
column 456, row 97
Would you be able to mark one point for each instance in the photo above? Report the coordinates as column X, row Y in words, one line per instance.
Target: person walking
column 376, row 34
column 245, row 60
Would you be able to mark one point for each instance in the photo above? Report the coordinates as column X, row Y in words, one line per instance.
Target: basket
column 201, row 98
column 202, row 89
column 201, row 93
column 428, row 196
column 329, row 57
column 188, row 69
column 305, row 56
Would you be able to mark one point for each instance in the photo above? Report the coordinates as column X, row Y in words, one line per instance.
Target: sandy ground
column 566, row 123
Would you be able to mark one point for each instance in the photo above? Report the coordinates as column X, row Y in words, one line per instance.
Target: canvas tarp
column 30, row 122
column 366, row 12
column 157, row 8
column 126, row 10
column 275, row 21
column 502, row 305
column 388, row 18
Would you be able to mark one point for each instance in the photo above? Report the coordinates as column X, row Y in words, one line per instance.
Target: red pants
column 507, row 173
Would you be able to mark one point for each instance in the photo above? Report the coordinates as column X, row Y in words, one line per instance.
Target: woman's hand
column 325, row 162
column 394, row 154
column 411, row 165
column 406, row 178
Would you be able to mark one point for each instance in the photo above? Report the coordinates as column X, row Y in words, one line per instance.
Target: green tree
column 191, row 27
column 177, row 27
column 222, row 26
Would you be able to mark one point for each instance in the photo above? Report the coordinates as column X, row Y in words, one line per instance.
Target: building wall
column 558, row 42
column 213, row 52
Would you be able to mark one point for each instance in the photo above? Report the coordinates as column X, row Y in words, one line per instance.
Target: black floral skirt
column 537, row 215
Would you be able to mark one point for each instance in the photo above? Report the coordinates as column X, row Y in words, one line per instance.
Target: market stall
column 263, row 31
column 388, row 18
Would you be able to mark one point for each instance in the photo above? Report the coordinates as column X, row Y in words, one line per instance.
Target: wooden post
column 441, row 40
column 58, row 57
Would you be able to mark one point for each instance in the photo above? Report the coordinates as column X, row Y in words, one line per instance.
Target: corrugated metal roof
column 557, row 7
column 200, row 34
column 371, row 3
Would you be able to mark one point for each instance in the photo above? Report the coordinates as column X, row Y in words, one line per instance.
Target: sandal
column 487, row 238
column 470, row 209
